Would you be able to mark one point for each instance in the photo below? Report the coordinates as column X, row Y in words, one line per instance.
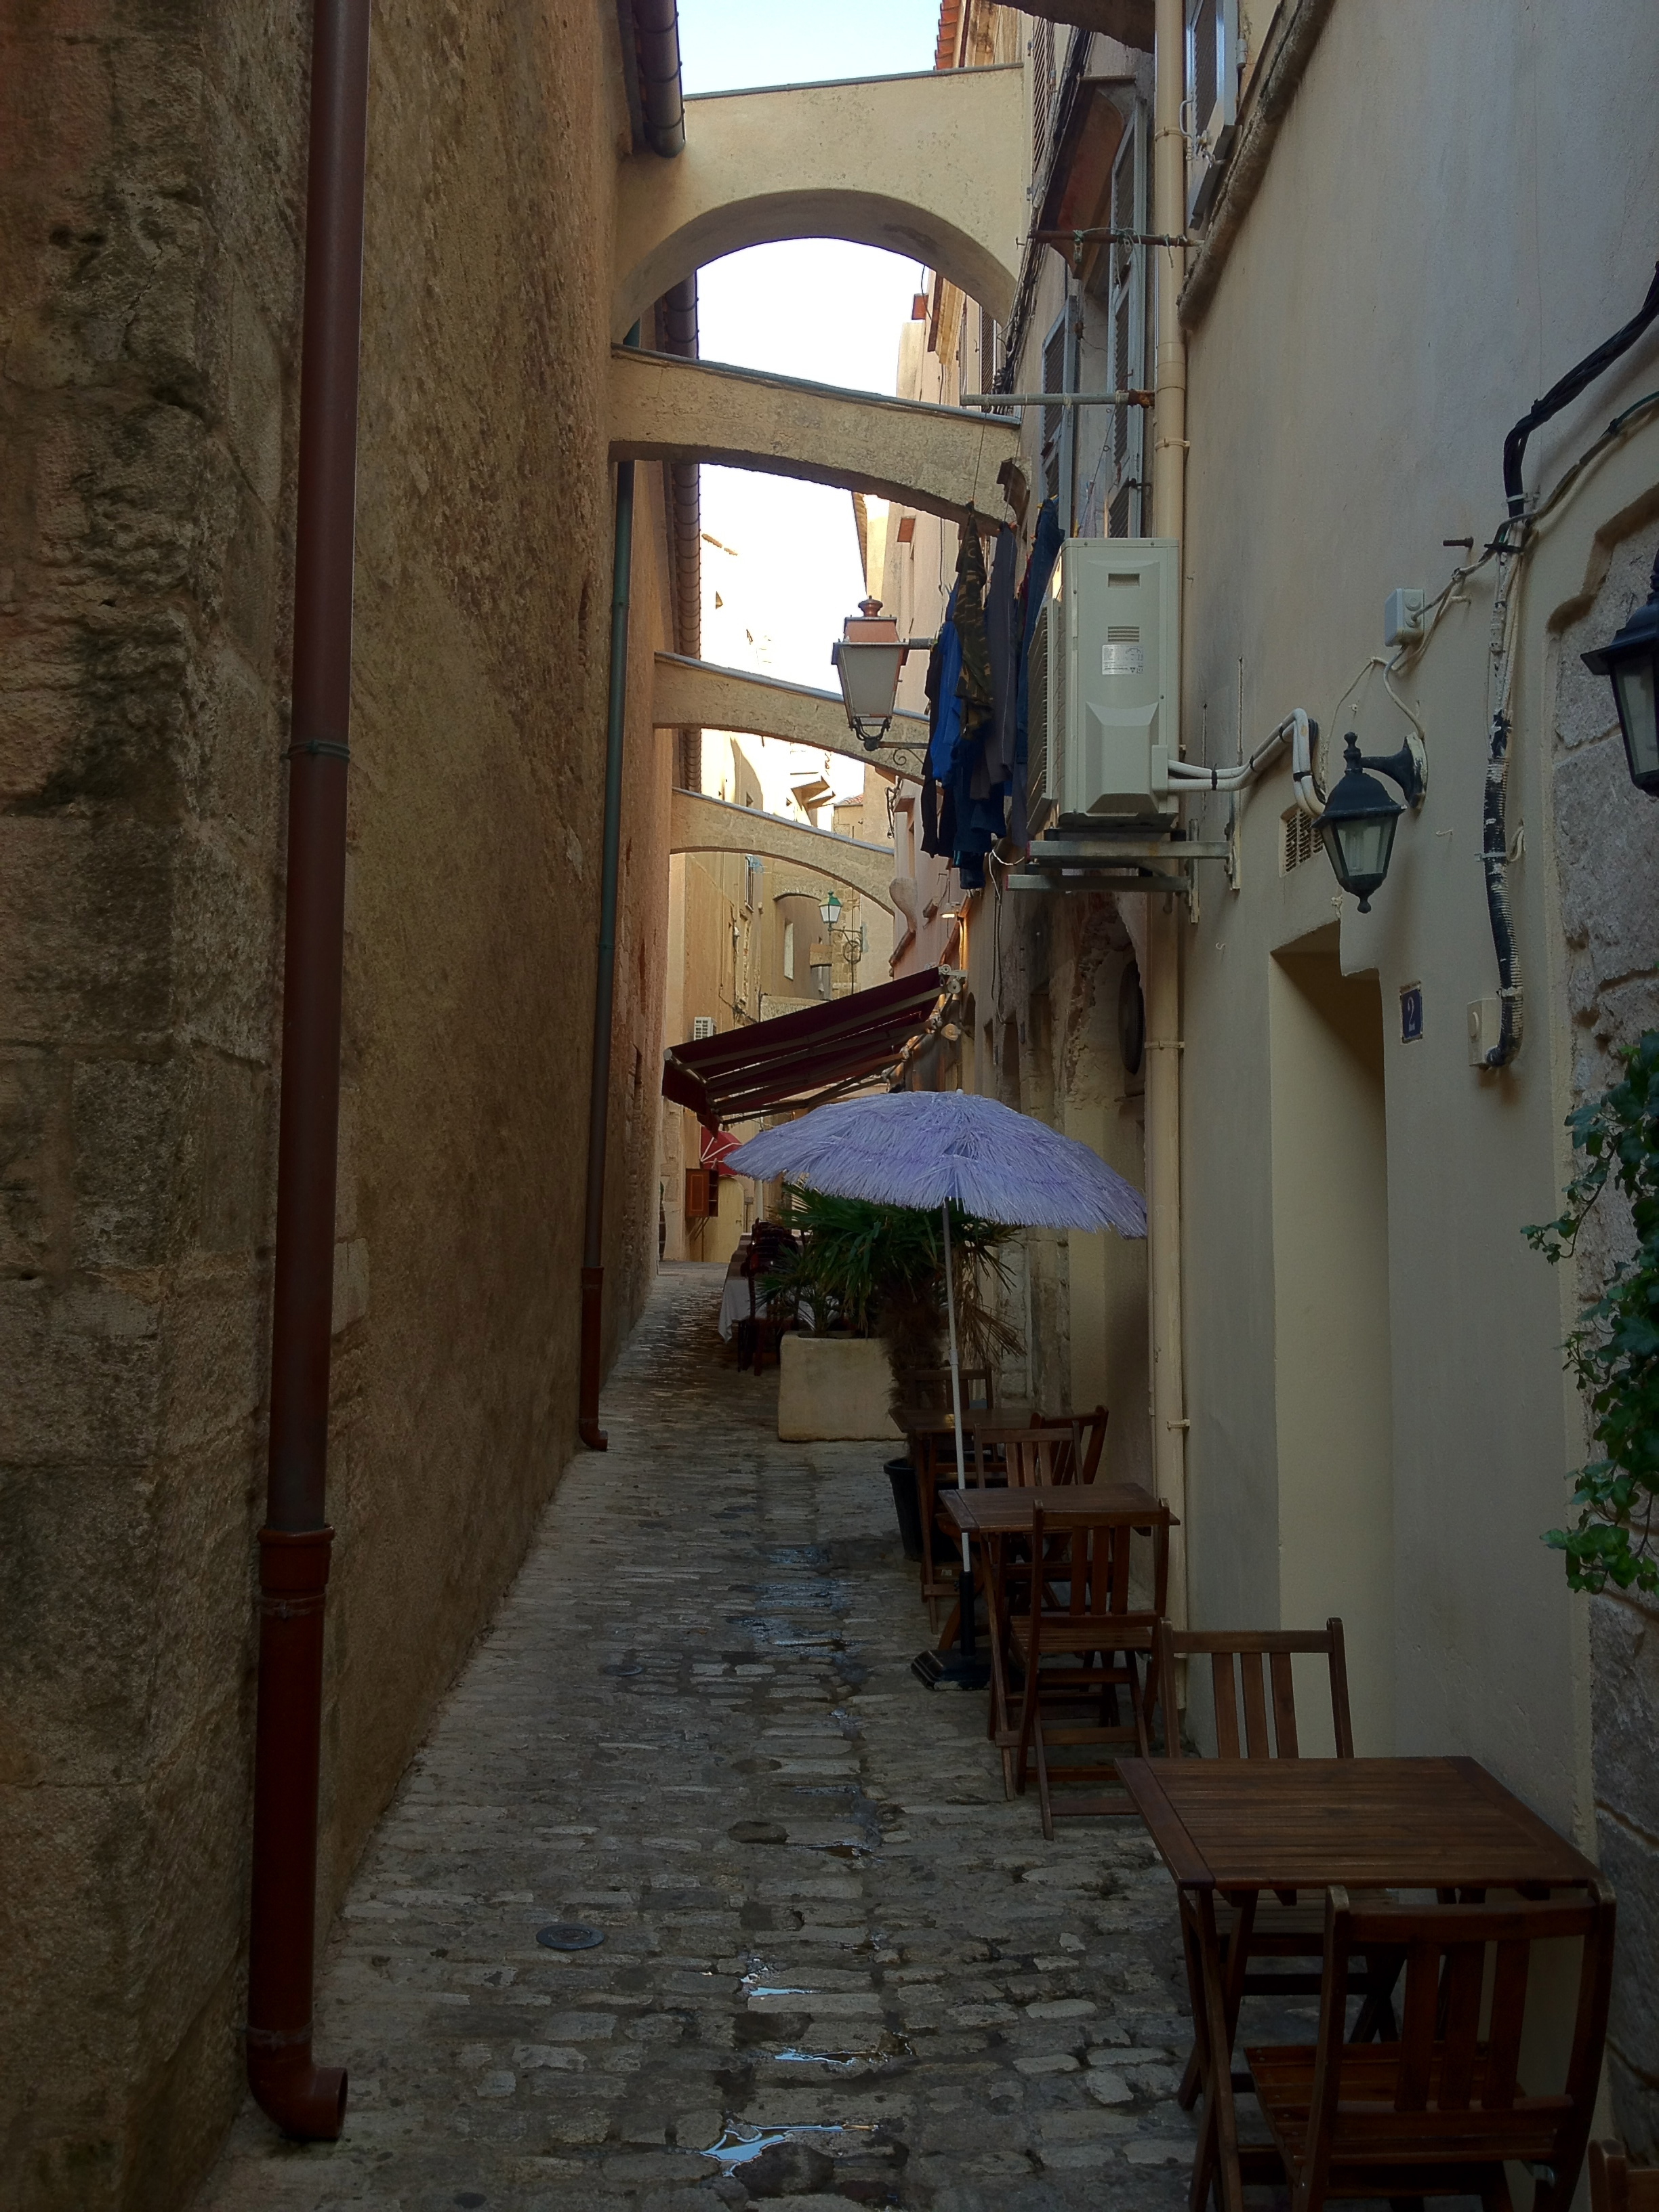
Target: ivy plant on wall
column 1614, row 1351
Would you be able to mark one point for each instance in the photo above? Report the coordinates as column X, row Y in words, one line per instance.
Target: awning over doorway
column 795, row 1057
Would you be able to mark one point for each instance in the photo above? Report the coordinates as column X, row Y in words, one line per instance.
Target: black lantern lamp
column 1632, row 658
column 1360, row 820
column 867, row 658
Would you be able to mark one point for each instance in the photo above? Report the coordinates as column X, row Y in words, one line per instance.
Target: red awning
column 766, row 1064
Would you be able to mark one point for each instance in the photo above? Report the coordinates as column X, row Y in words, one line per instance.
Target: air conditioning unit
column 1103, row 688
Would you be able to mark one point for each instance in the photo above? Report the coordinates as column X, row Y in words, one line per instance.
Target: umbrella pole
column 965, row 1592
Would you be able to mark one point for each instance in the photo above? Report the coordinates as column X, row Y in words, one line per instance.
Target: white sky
column 815, row 307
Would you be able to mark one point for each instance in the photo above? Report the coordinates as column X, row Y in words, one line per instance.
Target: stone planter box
column 834, row 1387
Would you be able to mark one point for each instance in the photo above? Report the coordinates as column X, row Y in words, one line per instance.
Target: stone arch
column 701, row 825
column 925, row 166
column 700, row 695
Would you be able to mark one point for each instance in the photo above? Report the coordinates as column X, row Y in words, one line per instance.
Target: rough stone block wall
column 1607, row 858
column 151, row 174
column 147, row 291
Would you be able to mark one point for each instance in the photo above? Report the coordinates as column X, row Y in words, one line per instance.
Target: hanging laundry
column 999, row 618
column 977, row 808
column 945, row 726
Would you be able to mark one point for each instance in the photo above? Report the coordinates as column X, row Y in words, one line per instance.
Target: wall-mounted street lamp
column 1632, row 660
column 866, row 658
column 830, row 910
column 1360, row 819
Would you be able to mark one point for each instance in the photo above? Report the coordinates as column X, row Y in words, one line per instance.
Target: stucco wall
column 149, row 291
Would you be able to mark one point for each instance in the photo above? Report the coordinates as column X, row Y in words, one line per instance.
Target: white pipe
column 1163, row 977
column 1309, row 797
column 1190, row 775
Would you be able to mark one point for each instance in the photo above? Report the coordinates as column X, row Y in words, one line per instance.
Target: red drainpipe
column 304, row 2098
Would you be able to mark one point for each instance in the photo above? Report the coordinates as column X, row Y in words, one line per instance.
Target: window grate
column 1042, row 93
column 1299, row 839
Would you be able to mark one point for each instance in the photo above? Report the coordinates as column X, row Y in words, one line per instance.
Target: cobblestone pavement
column 838, row 1968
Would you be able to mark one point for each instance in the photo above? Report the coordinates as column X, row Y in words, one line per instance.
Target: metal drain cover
column 570, row 1936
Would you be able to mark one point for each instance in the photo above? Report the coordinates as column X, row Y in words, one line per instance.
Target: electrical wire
column 1561, row 394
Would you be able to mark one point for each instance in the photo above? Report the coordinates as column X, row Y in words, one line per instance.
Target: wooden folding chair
column 760, row 1332
column 1616, row 2185
column 1255, row 1697
column 1080, row 1624
column 1038, row 1457
column 1088, row 1437
column 933, row 1385
column 1439, row 2111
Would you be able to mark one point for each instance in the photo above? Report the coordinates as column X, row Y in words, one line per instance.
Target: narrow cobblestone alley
column 838, row 1969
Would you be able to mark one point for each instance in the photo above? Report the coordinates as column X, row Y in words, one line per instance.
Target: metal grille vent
column 1298, row 839
column 1037, row 713
column 1059, row 656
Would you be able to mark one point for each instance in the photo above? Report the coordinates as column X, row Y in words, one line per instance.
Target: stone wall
column 1608, row 856
column 148, row 324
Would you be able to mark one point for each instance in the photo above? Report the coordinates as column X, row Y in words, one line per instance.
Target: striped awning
column 797, row 1057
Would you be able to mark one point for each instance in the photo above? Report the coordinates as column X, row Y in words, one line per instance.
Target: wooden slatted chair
column 1439, row 2111
column 1616, row 2185
column 1255, row 1697
column 1037, row 1456
column 1080, row 1648
column 933, row 1387
column 1257, row 1663
column 1088, row 1437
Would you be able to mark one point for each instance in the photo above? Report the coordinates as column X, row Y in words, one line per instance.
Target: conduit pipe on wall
column 662, row 103
column 605, row 989
column 304, row 2098
column 657, row 42
column 1163, row 977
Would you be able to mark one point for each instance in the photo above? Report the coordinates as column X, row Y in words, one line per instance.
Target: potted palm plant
column 878, row 1272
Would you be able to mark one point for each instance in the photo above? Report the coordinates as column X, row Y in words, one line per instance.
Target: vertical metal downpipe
column 605, row 990
column 1164, row 926
column 656, row 56
column 304, row 2098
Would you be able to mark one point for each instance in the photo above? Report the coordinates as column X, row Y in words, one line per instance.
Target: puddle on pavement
column 879, row 2054
column 739, row 2144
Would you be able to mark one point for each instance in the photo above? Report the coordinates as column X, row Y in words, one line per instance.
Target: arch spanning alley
column 927, row 165
column 698, row 695
column 713, row 825
column 944, row 460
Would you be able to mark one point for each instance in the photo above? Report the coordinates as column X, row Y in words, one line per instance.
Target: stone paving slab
column 839, row 1970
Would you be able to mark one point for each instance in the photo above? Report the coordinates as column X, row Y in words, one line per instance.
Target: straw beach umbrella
column 940, row 1148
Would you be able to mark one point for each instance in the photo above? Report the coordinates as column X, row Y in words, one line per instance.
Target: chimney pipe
column 304, row 2098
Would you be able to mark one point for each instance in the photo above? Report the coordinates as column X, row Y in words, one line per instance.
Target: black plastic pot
column 902, row 1474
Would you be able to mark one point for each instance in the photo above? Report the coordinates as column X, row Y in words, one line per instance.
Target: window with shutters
column 703, row 1025
column 1215, row 58
column 1123, row 469
column 1054, row 380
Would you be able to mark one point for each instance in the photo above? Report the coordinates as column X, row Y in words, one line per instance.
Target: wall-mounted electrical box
column 1402, row 614
column 1104, row 685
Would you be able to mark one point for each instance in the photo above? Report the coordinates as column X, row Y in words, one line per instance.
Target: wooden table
column 992, row 1516
column 1006, row 1512
column 1241, row 1827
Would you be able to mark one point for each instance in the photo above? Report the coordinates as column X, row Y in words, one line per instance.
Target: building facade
column 1377, row 1420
